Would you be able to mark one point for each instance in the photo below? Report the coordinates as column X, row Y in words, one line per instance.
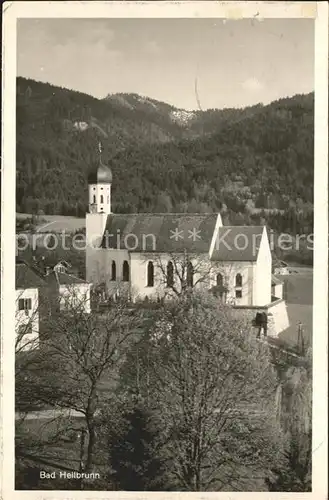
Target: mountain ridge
column 260, row 156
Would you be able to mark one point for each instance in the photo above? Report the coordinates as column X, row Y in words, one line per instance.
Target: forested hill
column 163, row 159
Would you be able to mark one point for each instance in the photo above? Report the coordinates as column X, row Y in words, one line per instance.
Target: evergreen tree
column 133, row 453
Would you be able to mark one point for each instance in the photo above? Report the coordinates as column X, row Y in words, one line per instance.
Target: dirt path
column 49, row 414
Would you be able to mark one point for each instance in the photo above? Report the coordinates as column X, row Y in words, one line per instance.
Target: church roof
column 171, row 232
column 237, row 243
column 101, row 174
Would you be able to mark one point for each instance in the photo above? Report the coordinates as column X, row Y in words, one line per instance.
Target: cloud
column 252, row 85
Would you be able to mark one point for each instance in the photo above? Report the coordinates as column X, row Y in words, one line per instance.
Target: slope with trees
column 255, row 158
column 211, row 388
column 179, row 397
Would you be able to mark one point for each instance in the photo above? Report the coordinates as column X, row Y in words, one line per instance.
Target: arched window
column 221, row 292
column 102, row 199
column 94, row 199
column 219, row 280
column 189, row 275
column 170, row 274
column 238, row 286
column 238, row 281
column 125, row 271
column 150, row 274
column 113, row 271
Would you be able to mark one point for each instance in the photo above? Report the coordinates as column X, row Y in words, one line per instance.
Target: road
column 50, row 414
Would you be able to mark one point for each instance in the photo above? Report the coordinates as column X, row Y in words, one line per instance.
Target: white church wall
column 279, row 317
column 95, row 227
column 277, row 290
column 263, row 273
column 140, row 289
column 219, row 223
column 95, row 265
column 99, row 267
column 204, row 276
column 118, row 257
column 277, row 314
column 76, row 295
column 139, row 273
column 95, row 256
column 229, row 271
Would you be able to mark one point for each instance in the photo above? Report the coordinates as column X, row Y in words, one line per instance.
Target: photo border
column 231, row 10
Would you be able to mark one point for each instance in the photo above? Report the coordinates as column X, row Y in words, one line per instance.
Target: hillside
column 163, row 159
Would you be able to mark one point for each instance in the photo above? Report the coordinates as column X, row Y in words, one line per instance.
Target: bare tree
column 86, row 351
column 213, row 388
column 178, row 273
column 295, row 473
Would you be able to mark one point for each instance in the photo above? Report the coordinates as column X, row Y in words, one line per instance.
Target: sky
column 236, row 63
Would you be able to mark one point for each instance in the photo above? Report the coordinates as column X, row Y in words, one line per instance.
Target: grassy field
column 56, row 223
column 53, row 445
column 299, row 298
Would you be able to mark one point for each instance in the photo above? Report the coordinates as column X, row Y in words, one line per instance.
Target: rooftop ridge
column 245, row 227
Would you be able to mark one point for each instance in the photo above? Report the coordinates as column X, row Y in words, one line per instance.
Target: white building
column 36, row 295
column 71, row 291
column 277, row 287
column 151, row 255
column 28, row 286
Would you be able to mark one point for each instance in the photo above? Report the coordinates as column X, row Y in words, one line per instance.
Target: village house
column 72, row 292
column 41, row 293
column 27, row 320
column 150, row 256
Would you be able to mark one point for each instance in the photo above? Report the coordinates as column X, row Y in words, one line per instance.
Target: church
column 149, row 256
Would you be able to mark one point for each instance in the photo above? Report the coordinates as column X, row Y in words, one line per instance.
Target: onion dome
column 100, row 174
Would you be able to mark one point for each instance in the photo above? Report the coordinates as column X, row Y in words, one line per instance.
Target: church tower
column 99, row 182
column 99, row 187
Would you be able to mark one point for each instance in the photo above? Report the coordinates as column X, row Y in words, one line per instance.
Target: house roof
column 171, row 232
column 27, row 276
column 63, row 279
column 237, row 243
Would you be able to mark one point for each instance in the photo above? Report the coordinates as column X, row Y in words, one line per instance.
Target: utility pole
column 300, row 339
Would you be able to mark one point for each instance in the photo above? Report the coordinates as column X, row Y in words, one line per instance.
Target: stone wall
column 278, row 320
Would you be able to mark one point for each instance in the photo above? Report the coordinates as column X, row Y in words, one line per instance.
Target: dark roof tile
column 27, row 277
column 237, row 243
column 69, row 279
column 171, row 232
column 57, row 278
